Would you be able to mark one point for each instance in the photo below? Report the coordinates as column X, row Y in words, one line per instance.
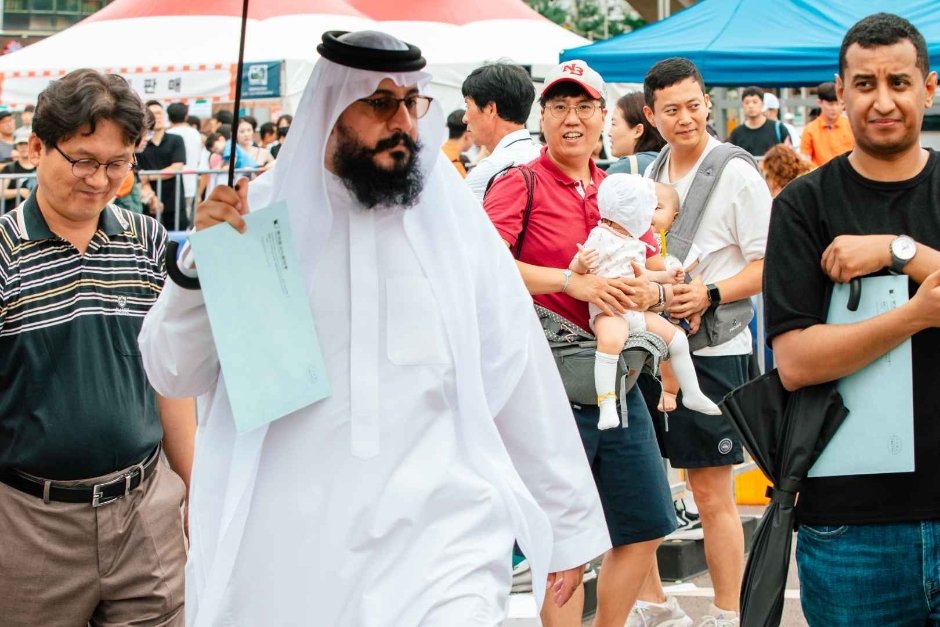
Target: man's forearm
column 178, row 416
column 744, row 284
column 925, row 262
column 826, row 352
column 540, row 280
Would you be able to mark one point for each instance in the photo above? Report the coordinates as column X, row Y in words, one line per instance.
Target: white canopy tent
column 187, row 49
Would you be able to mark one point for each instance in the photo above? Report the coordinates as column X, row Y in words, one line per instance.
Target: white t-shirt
column 733, row 231
column 515, row 148
column 192, row 140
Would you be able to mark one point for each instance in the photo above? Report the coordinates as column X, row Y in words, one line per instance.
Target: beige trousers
column 70, row 564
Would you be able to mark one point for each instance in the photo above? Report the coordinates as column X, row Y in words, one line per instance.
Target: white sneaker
column 717, row 617
column 667, row 614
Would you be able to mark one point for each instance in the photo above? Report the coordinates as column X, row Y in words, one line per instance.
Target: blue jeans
column 886, row 575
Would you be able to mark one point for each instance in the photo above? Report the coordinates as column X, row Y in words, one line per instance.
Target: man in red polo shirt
column 626, row 462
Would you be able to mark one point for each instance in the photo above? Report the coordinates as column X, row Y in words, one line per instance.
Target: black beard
column 371, row 184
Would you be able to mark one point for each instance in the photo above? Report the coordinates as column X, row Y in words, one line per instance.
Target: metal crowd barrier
column 179, row 202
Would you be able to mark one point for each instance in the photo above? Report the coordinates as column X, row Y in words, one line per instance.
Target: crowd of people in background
column 177, row 148
column 785, row 151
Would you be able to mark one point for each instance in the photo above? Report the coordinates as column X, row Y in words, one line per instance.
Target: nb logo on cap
column 573, row 68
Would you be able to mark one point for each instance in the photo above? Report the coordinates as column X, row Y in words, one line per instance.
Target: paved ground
column 694, row 596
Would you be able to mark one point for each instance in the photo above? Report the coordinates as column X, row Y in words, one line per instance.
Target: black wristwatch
column 714, row 294
column 903, row 249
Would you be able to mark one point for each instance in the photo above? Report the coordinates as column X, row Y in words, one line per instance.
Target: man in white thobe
column 395, row 501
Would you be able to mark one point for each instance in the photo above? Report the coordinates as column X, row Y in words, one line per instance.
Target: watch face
column 904, row 248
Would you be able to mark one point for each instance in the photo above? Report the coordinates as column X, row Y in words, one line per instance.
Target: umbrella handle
column 173, row 269
column 855, row 294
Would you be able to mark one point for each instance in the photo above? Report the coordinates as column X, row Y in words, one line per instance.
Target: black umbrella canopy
column 785, row 432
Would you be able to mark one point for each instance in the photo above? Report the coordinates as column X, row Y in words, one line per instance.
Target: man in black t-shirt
column 165, row 152
column 759, row 133
column 869, row 545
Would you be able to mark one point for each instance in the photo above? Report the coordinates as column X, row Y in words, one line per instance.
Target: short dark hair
column 827, row 92
column 566, row 89
column 268, row 128
column 285, row 118
column 667, row 73
column 194, row 122
column 752, row 91
column 225, row 130
column 885, row 29
column 212, row 138
column 5, row 114
column 507, row 85
column 251, row 120
column 455, row 124
column 631, row 106
column 151, row 103
column 29, row 108
column 177, row 112
column 224, row 116
column 83, row 98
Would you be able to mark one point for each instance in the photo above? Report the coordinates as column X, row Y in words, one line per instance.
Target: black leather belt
column 97, row 495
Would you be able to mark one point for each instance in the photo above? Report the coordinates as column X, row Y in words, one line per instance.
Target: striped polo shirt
column 75, row 400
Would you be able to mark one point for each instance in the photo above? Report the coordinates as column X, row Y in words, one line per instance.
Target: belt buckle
column 98, row 499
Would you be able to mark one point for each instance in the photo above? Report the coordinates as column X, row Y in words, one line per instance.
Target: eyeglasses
column 386, row 107
column 83, row 168
column 584, row 110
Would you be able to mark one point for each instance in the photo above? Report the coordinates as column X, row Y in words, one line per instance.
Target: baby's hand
column 695, row 321
column 675, row 275
column 589, row 258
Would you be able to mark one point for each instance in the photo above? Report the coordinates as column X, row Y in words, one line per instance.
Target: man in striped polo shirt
column 91, row 523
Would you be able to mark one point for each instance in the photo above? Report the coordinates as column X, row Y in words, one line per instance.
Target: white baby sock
column 605, row 381
column 681, row 360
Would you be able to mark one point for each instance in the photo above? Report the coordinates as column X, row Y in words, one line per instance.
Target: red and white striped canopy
column 147, row 38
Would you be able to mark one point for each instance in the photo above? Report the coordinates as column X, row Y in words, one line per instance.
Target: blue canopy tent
column 784, row 43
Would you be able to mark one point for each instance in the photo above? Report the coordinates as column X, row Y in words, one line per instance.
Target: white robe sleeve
column 176, row 342
column 542, row 438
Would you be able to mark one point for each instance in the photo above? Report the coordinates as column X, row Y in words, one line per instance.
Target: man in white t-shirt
column 177, row 114
column 499, row 99
column 732, row 236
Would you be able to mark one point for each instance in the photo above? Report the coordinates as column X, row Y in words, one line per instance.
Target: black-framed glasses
column 83, row 168
column 385, row 107
column 583, row 110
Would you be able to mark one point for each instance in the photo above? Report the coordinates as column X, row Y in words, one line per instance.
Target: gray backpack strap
column 680, row 236
column 656, row 168
column 634, row 165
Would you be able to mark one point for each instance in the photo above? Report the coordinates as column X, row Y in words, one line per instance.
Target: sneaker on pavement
column 667, row 614
column 522, row 577
column 717, row 617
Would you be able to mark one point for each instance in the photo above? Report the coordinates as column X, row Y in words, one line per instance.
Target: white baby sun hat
column 628, row 200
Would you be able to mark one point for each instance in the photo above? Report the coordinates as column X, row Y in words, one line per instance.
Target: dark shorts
column 694, row 440
column 629, row 473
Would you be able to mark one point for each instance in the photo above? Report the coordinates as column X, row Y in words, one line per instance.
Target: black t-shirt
column 758, row 141
column 807, row 215
column 171, row 150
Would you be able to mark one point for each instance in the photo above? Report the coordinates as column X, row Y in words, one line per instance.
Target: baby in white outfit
column 626, row 203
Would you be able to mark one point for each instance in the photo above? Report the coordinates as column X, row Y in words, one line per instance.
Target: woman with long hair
column 632, row 138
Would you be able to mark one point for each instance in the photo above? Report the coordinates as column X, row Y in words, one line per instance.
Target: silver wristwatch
column 903, row 249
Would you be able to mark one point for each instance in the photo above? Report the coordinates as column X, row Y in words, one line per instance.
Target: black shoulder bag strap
column 529, row 177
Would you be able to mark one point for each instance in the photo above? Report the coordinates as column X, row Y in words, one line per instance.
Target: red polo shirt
column 561, row 218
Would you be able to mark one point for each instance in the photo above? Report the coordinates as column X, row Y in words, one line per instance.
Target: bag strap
column 777, row 129
column 634, row 165
column 680, row 236
column 529, row 177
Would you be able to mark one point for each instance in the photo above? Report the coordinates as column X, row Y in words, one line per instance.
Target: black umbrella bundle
column 785, row 432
